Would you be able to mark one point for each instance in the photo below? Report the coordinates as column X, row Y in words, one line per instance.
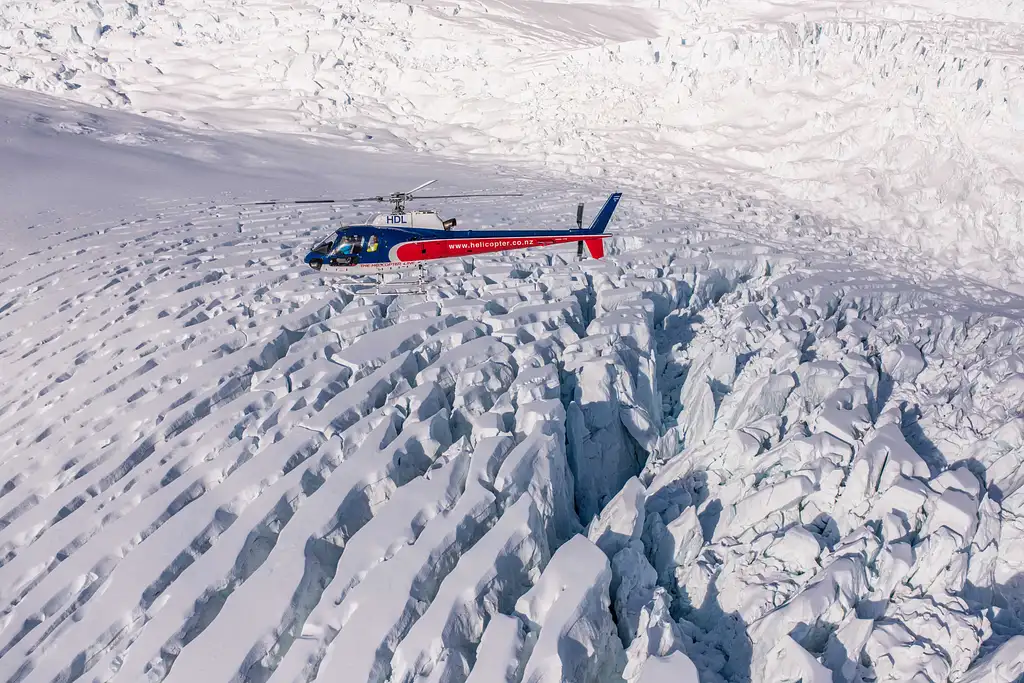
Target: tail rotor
column 594, row 243
column 579, row 225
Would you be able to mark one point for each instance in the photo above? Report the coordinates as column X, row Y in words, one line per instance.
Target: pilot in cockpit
column 348, row 245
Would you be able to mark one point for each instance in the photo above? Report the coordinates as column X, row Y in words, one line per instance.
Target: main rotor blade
column 456, row 196
column 429, row 182
column 269, row 202
column 380, row 198
column 294, row 201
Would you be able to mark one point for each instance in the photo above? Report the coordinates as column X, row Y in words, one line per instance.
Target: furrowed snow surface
column 906, row 115
column 702, row 458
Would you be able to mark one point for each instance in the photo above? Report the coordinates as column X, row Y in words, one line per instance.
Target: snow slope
column 701, row 458
column 901, row 118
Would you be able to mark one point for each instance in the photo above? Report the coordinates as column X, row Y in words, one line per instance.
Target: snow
column 903, row 115
column 775, row 435
column 497, row 658
column 487, row 579
column 568, row 620
column 672, row 667
column 1000, row 666
column 362, row 482
column 621, row 521
column 790, row 663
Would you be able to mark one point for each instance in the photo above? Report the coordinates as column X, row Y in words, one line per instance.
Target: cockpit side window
column 372, row 244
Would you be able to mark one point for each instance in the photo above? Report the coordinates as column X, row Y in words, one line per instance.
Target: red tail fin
column 595, row 246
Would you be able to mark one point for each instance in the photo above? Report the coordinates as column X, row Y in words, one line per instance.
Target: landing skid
column 344, row 279
column 417, row 286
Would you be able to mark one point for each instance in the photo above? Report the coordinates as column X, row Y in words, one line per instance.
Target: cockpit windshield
column 324, row 246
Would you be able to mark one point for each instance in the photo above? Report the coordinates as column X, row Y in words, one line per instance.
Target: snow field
column 814, row 472
column 904, row 115
column 700, row 458
column 316, row 443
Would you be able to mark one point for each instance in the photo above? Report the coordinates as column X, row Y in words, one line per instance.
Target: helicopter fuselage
column 402, row 241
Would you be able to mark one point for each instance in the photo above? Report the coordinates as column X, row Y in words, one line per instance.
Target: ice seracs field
column 775, row 435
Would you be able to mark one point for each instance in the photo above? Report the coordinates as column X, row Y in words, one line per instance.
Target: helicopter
column 403, row 240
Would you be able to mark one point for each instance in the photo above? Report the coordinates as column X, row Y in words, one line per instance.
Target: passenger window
column 372, row 246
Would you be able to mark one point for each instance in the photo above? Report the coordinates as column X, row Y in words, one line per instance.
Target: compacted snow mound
column 569, row 626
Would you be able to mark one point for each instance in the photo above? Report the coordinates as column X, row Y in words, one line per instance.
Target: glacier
column 775, row 435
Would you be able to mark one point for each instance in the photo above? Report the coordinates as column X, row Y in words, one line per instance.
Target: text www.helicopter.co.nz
column 496, row 243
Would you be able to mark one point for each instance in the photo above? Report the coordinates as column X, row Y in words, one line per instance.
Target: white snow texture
column 903, row 115
column 776, row 435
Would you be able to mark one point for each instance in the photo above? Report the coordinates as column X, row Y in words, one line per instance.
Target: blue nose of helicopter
column 317, row 256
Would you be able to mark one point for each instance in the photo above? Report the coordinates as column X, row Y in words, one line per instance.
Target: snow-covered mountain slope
column 901, row 117
column 699, row 459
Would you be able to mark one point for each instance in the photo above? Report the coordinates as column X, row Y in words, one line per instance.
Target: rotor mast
column 398, row 199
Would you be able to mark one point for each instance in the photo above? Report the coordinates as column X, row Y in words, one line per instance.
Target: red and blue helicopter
column 402, row 240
